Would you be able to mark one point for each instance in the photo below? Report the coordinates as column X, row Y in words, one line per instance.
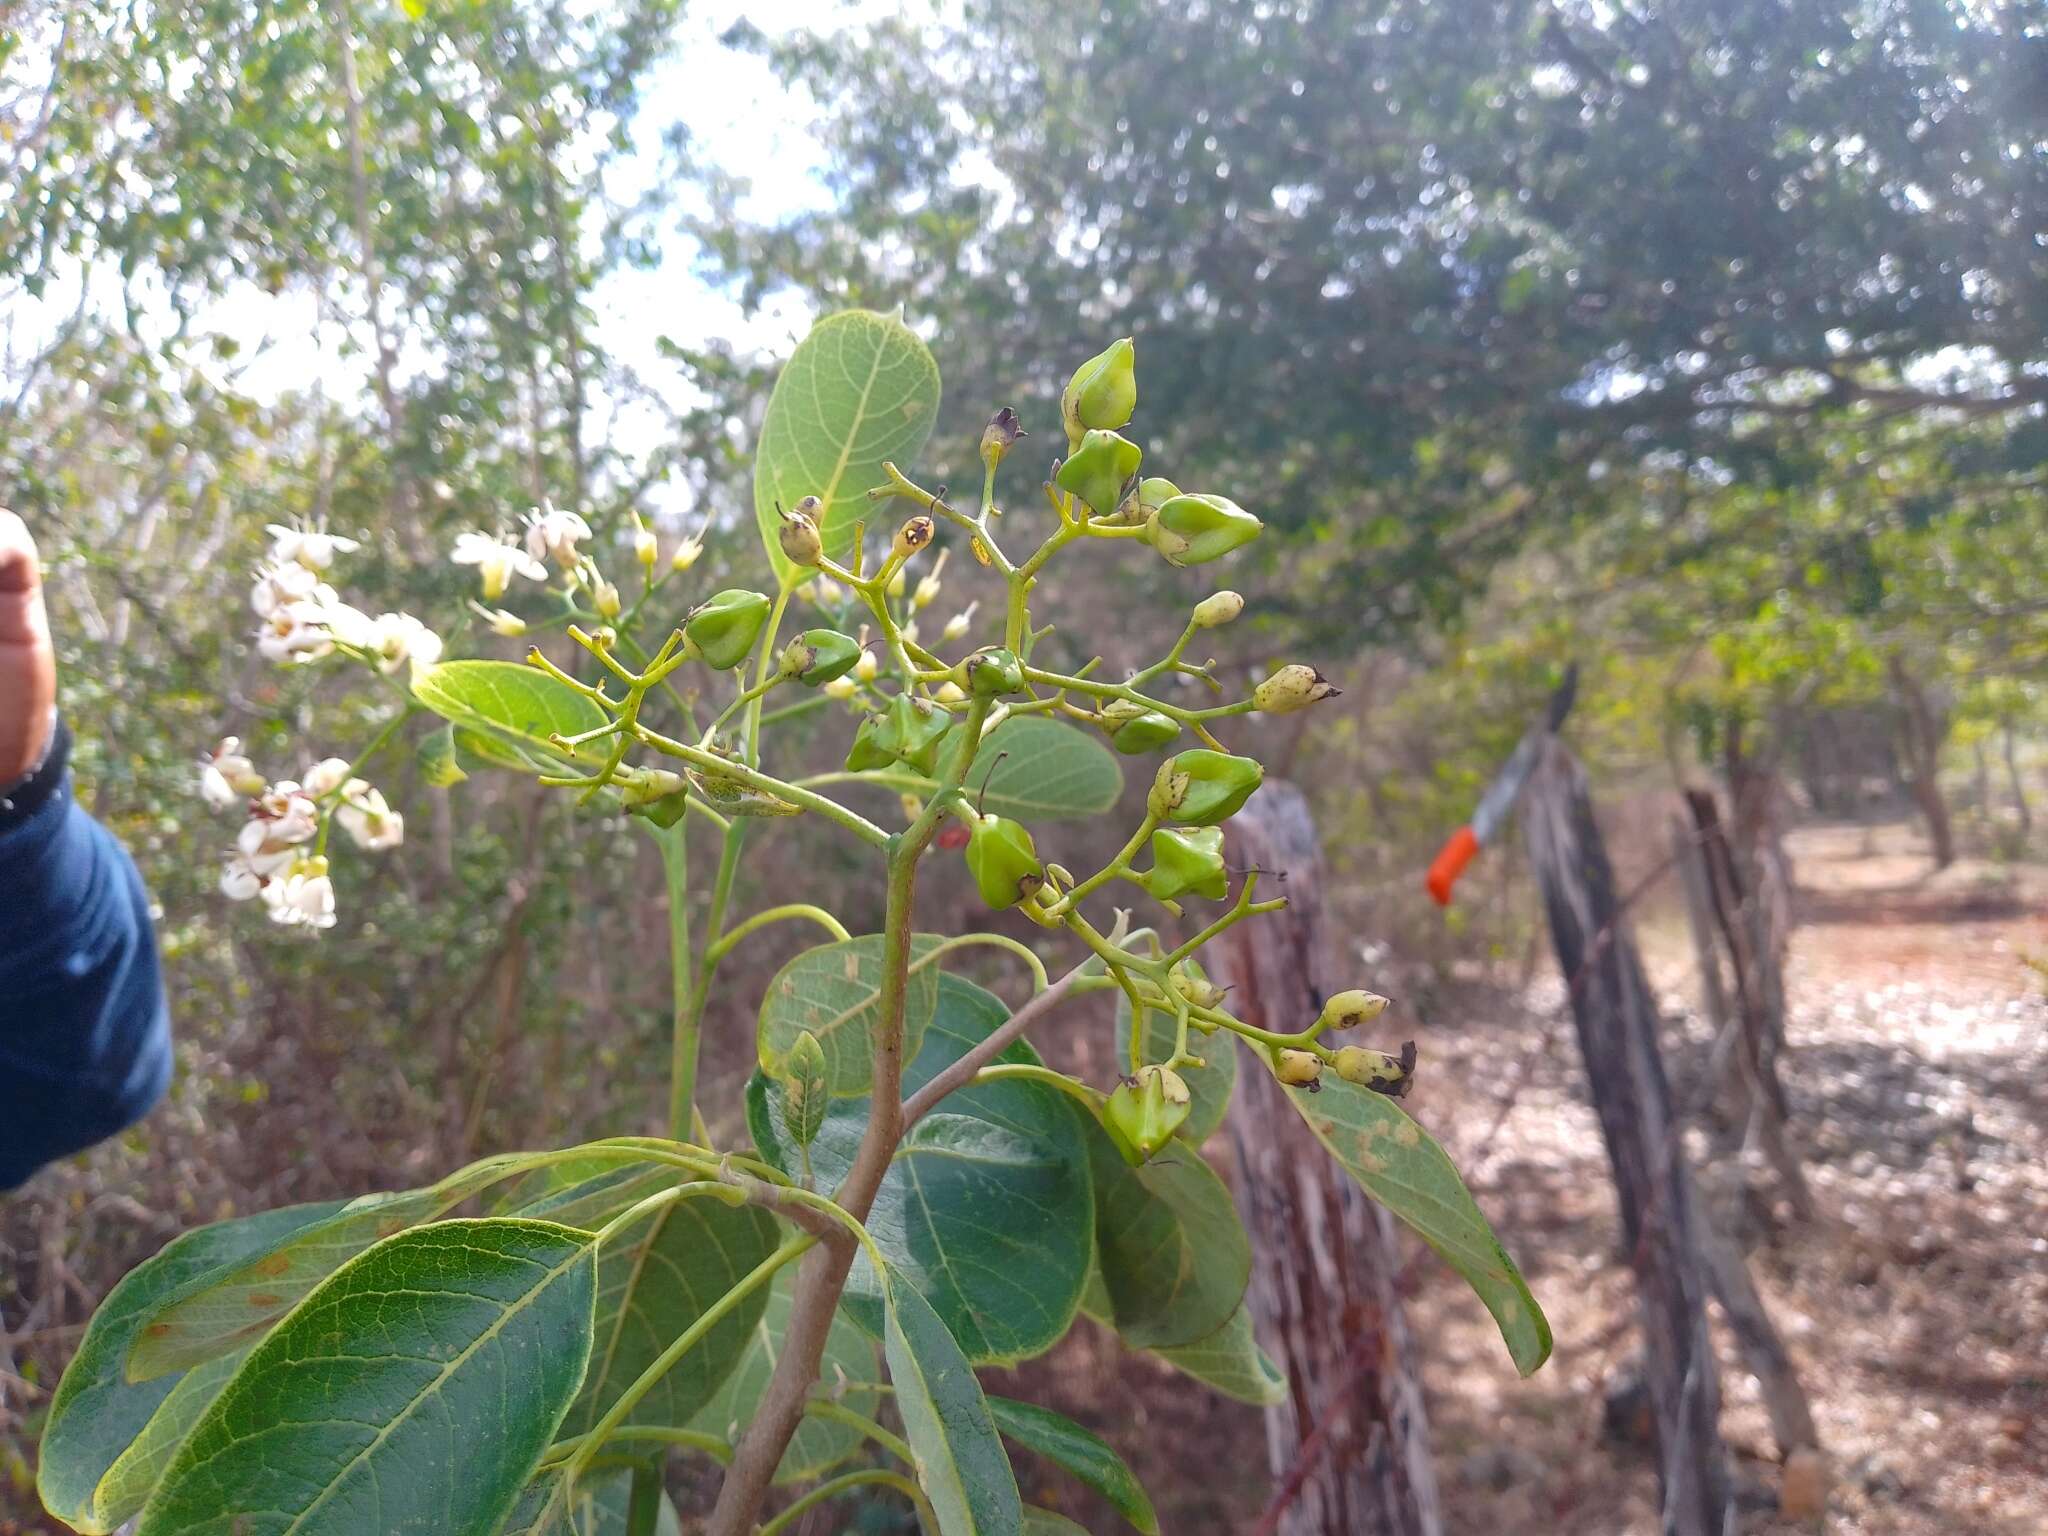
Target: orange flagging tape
column 1450, row 863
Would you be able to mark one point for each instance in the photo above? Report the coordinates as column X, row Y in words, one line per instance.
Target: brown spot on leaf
column 273, row 1266
column 265, row 1299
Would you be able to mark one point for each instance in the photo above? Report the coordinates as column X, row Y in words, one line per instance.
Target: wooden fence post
column 1617, row 1028
column 1322, row 1292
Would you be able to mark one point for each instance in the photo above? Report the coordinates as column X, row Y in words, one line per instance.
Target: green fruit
column 721, row 630
column 1193, row 530
column 994, row 672
column 911, row 730
column 867, row 752
column 1144, row 1111
column 817, row 656
column 1146, row 731
column 1103, row 391
column 1003, row 861
column 1200, row 788
column 1187, row 861
column 1097, row 470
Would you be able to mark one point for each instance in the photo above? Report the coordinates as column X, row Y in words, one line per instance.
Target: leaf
column 97, row 1412
column 861, row 388
column 1053, row 772
column 597, row 1507
column 440, row 763
column 985, row 1208
column 655, row 1278
column 819, row 1444
column 960, row 1460
column 1043, row 1522
column 1209, row 1086
column 834, row 992
column 1079, row 1451
column 136, row 1473
column 413, row 1390
column 1173, row 1255
column 585, row 1193
column 805, row 1092
column 511, row 706
column 1231, row 1361
column 1403, row 1168
column 234, row 1302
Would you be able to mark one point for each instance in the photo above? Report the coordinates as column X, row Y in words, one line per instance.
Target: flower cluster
column 271, row 857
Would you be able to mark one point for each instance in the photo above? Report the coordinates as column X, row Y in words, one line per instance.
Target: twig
column 960, row 1072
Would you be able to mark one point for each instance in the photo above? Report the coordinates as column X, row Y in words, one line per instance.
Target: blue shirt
column 85, row 1040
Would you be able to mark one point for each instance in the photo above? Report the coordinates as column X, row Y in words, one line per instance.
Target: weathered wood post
column 1322, row 1292
column 1617, row 1028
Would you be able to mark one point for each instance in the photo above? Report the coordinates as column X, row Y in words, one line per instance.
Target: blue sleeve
column 85, row 1043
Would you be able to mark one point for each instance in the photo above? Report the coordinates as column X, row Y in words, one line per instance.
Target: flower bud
column 1294, row 687
column 827, row 593
column 1200, row 788
column 1000, row 436
column 1194, row 986
column 911, row 730
column 1217, row 609
column 646, row 547
column 913, row 536
column 1097, row 469
column 958, row 625
column 510, row 625
column 605, row 598
column 820, row 656
column 994, row 672
column 1003, row 861
column 841, row 688
column 1391, row 1075
column 1103, row 391
column 1299, row 1069
column 950, row 692
column 1348, row 1010
column 865, row 669
column 1193, row 530
column 798, row 534
column 722, row 629
column 686, row 554
column 1187, row 861
column 1144, row 1111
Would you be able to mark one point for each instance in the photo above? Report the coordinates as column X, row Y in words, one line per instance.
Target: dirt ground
column 1916, row 1306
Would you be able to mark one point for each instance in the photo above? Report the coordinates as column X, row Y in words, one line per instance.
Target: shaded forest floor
column 1916, row 1307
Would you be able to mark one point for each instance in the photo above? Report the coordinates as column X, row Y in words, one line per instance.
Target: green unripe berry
column 1003, row 861
column 817, row 656
column 1217, row 609
column 1144, row 1111
column 1193, row 530
column 1192, row 984
column 1294, row 687
column 1145, row 731
column 798, row 532
column 1103, row 391
column 1097, row 470
column 1200, row 788
column 721, row 630
column 994, row 672
column 1187, row 861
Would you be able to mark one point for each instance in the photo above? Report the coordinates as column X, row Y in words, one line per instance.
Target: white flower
column 226, row 777
column 686, row 553
column 497, row 559
column 282, row 817
column 238, row 881
column 302, row 899
column 295, row 632
column 928, row 587
column 604, row 597
column 552, row 532
column 313, row 548
column 510, row 625
column 646, row 548
column 280, row 586
column 866, row 668
column 344, row 623
column 841, row 688
column 957, row 625
column 324, row 778
column 369, row 822
column 827, row 592
column 396, row 638
column 909, row 631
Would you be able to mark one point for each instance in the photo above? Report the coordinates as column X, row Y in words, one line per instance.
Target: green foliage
column 1079, row 1451
column 429, row 1332
column 833, row 994
column 961, row 1464
column 507, row 712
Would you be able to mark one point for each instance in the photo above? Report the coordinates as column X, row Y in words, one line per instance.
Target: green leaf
column 585, row 1193
column 960, row 1461
column 861, row 388
column 440, row 763
column 1173, row 1255
column 1209, row 1086
column 1043, row 1522
column 986, row 1207
column 1053, row 772
column 597, row 1507
column 135, row 1475
column 1079, row 1451
column 656, row 1277
column 834, row 992
column 1231, row 1361
column 513, row 707
column 414, row 1389
column 97, row 1412
column 233, row 1302
column 819, row 1444
column 1403, row 1168
column 805, row 1092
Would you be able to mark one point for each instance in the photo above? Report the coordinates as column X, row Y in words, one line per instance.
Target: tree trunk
column 1322, row 1291
column 1926, row 730
column 1617, row 1029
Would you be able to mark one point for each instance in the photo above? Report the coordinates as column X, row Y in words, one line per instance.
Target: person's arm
column 84, row 1032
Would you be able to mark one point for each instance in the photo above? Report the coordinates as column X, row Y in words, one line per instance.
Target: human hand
column 28, row 665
